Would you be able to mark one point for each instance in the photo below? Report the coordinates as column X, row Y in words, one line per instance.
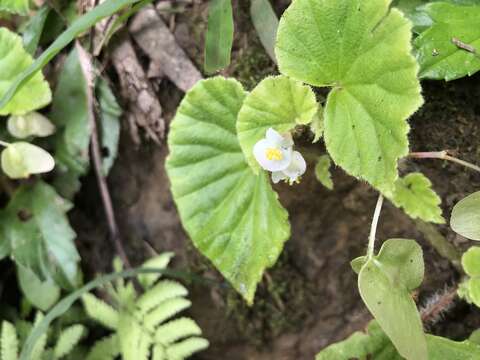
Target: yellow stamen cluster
column 273, row 154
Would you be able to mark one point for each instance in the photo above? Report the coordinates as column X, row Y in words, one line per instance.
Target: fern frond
column 67, row 340
column 165, row 311
column 186, row 348
column 175, row 330
column 9, row 342
column 135, row 343
column 159, row 353
column 100, row 311
column 39, row 348
column 107, row 348
column 158, row 262
column 164, row 290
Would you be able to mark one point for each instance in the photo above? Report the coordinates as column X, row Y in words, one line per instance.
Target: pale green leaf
column 164, row 290
column 105, row 349
column 362, row 50
column 165, row 311
column 9, row 342
column 265, row 22
column 185, row 348
column 450, row 48
column 110, row 113
column 175, row 330
column 21, row 159
column 317, row 126
column 465, row 218
column 34, row 29
column 470, row 289
column 13, row 61
column 31, row 124
column 322, row 171
column 219, row 38
column 134, row 341
column 68, row 339
column 374, row 344
column 385, row 283
column 20, row 7
column 158, row 262
column 232, row 215
column 100, row 311
column 277, row 102
column 40, row 293
column 471, row 261
column 415, row 195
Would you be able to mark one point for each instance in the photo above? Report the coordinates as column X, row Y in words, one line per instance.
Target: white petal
column 274, row 137
column 297, row 167
column 260, row 153
column 21, row 159
column 278, row 176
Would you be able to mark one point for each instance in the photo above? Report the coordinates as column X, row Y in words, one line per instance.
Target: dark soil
column 310, row 298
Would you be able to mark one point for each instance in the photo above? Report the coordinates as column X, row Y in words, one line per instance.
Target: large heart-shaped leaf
column 13, row 61
column 362, row 50
column 415, row 195
column 232, row 215
column 465, row 218
column 450, row 48
column 276, row 102
column 385, row 283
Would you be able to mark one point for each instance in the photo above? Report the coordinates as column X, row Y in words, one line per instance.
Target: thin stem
column 4, row 143
column 373, row 229
column 443, row 155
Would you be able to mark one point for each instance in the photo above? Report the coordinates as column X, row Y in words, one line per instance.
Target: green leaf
column 277, row 102
column 34, row 29
column 385, row 283
column 105, row 349
column 374, row 344
column 21, row 159
column 415, row 195
column 470, row 289
column 20, row 7
column 68, row 339
column 233, row 216
column 110, row 113
column 158, row 262
column 317, row 126
column 70, row 115
column 362, row 50
column 30, row 70
column 465, row 218
column 450, row 48
column 100, row 311
column 13, row 61
column 265, row 22
column 471, row 261
column 322, row 171
column 39, row 233
column 8, row 342
column 219, row 38
column 40, row 293
column 185, row 348
column 134, row 342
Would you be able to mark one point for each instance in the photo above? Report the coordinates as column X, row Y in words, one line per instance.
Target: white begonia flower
column 274, row 153
column 292, row 173
column 31, row 124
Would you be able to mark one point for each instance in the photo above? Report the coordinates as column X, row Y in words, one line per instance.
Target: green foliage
column 276, row 102
column 465, row 218
column 362, row 50
column 322, row 171
column 232, row 215
column 20, row 7
column 219, row 38
column 110, row 113
column 449, row 48
column 68, row 339
column 385, row 282
column 414, row 194
column 143, row 324
column 40, row 239
column 42, row 293
column 26, row 81
column 265, row 22
column 34, row 29
column 375, row 344
column 13, row 61
column 470, row 288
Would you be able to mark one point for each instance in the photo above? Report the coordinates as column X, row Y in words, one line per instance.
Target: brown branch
column 437, row 305
column 114, row 234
